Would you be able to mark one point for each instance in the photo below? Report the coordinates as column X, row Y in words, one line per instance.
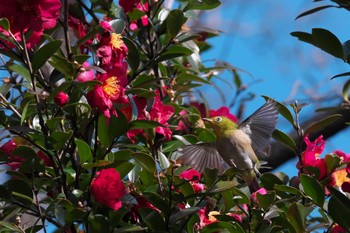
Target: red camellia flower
column 253, row 197
column 107, row 188
column 34, row 15
column 61, row 99
column 223, row 111
column 194, row 177
column 159, row 112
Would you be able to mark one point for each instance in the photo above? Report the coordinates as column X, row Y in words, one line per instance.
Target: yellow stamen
column 116, row 41
column 340, row 177
column 111, row 86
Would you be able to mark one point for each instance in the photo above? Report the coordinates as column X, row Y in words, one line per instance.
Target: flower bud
column 61, row 99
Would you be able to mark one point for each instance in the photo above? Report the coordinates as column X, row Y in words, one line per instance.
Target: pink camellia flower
column 337, row 229
column 159, row 112
column 236, row 216
column 34, row 15
column 223, row 111
column 253, row 197
column 13, row 161
column 85, row 74
column 194, row 177
column 204, row 219
column 310, row 157
column 105, row 25
column 144, row 19
column 61, row 99
column 107, row 188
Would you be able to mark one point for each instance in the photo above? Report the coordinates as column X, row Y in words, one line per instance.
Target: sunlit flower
column 194, row 177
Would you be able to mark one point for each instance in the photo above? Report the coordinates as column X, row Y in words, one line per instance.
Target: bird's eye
column 218, row 119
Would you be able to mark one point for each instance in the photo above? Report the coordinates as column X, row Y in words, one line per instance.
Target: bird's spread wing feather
column 201, row 156
column 260, row 125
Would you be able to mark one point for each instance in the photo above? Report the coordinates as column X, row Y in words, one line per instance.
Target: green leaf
column 328, row 42
column 174, row 22
column 174, row 52
column 144, row 124
column 322, row 123
column 332, row 162
column 210, row 175
column 133, row 54
column 270, row 180
column 338, row 208
column 63, row 65
column 21, row 190
column 223, row 186
column 266, row 200
column 228, row 200
column 285, row 139
column 44, row 53
column 230, row 227
column 10, row 226
column 313, row 189
column 5, row 24
column 174, row 218
column 297, row 217
column 112, row 128
column 152, row 219
column 203, row 4
column 124, row 168
column 145, row 160
column 316, row 9
column 287, row 189
column 346, row 90
column 59, row 139
column 158, row 202
column 84, row 151
column 22, row 71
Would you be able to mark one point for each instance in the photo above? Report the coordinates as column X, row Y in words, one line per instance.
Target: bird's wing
column 260, row 125
column 201, row 156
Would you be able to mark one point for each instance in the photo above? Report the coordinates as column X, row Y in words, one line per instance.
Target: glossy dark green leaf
column 338, row 209
column 174, row 22
column 44, row 53
column 223, row 186
column 210, row 175
column 287, row 189
column 152, row 219
column 63, row 65
column 203, row 4
column 144, row 124
column 313, row 189
column 297, row 217
column 227, row 197
column 4, row 24
column 174, row 52
column 266, row 200
column 21, row 70
column 110, row 129
column 269, row 180
column 174, row 218
column 133, row 54
column 158, row 201
column 332, row 162
column 285, row 139
column 328, row 42
column 21, row 190
column 185, row 78
column 10, row 227
column 5, row 195
column 145, row 160
column 59, row 139
column 341, row 75
column 316, row 9
column 229, row 227
column 98, row 223
column 84, row 151
column 322, row 123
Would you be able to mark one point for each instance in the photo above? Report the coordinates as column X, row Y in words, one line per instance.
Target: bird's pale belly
column 236, row 153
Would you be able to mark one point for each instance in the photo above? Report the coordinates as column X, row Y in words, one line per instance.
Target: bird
column 237, row 145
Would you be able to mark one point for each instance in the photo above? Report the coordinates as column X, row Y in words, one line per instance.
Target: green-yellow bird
column 236, row 145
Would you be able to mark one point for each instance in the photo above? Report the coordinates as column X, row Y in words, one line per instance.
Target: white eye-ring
column 218, row 119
